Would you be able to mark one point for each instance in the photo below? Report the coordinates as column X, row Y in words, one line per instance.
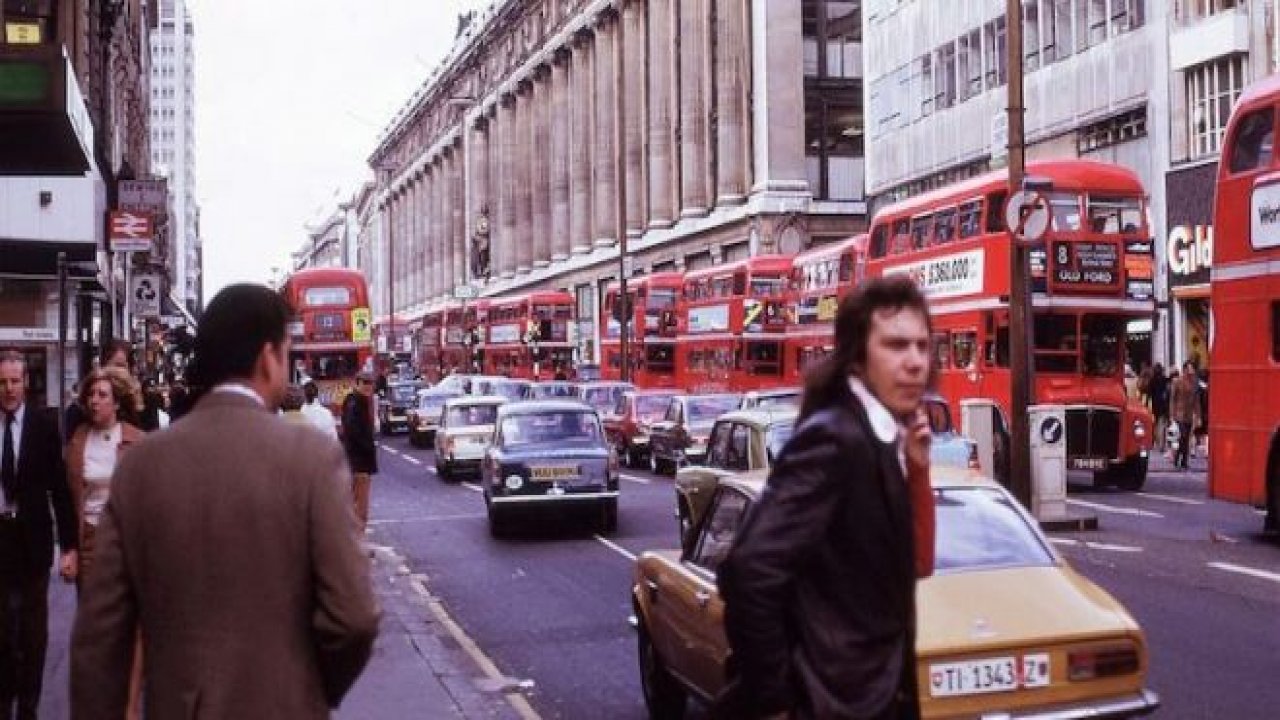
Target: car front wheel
column 663, row 696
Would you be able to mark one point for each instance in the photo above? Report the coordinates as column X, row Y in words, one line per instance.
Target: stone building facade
column 557, row 130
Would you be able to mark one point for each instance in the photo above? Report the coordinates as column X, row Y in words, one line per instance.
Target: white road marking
column 411, row 459
column 426, row 518
column 1072, row 542
column 390, row 449
column 1113, row 509
column 1242, row 570
column 1170, row 498
column 635, row 479
column 473, row 487
column 616, row 548
column 431, row 469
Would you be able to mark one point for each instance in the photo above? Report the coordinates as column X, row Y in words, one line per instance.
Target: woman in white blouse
column 111, row 402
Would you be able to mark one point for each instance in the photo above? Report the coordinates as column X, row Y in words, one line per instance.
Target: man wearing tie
column 32, row 476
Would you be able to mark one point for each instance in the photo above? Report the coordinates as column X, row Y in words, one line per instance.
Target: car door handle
column 703, row 597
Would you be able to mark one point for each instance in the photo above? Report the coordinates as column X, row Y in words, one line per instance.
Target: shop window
column 1253, row 144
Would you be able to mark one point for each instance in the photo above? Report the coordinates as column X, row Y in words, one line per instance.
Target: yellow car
column 1006, row 628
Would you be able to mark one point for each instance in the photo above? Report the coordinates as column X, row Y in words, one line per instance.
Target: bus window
column 1114, row 214
column 1055, row 343
column 941, row 351
column 901, row 239
column 1102, row 336
column 970, row 219
column 739, row 283
column 944, row 226
column 996, row 350
column 1252, row 147
column 921, row 231
column 764, row 358
column 963, row 347
column 879, row 241
column 660, row 358
column 768, row 286
column 1066, row 211
column 1275, row 331
column 995, row 212
column 846, row 267
column 331, row 366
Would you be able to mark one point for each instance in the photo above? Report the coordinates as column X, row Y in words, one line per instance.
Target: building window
column 1212, row 88
column 1192, row 11
column 834, row 156
column 832, row 38
column 1031, row 36
column 1112, row 131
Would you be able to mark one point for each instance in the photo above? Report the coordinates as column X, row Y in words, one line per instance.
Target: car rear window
column 509, row 390
column 777, row 437
column 473, row 415
column 981, row 528
column 551, row 428
column 432, row 402
column 603, row 398
column 652, row 407
column 710, row 408
column 403, row 393
column 553, row 391
column 780, row 400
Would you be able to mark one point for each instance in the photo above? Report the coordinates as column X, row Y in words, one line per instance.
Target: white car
column 464, row 433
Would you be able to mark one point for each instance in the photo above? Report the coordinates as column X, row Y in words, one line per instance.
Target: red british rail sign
column 130, row 231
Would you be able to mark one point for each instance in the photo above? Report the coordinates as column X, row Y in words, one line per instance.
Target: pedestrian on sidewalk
column 1158, row 389
column 357, row 438
column 1185, row 407
column 316, row 412
column 243, row 568
column 33, row 493
column 819, row 587
column 110, row 400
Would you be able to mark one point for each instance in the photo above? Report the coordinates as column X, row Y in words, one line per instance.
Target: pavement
column 423, row 666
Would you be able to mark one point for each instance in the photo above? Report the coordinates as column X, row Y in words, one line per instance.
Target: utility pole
column 1021, row 368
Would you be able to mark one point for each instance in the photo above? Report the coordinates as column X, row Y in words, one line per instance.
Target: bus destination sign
column 1086, row 265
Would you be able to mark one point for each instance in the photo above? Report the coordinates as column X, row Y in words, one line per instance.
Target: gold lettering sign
column 827, row 308
column 18, row 33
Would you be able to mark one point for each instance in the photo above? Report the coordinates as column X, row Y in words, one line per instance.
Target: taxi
column 1006, row 628
column 547, row 454
column 466, row 426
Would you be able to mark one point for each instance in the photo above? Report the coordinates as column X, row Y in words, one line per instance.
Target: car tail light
column 1100, row 662
column 448, row 445
column 973, row 457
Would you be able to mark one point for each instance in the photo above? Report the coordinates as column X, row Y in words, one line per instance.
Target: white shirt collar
column 18, row 416
column 235, row 388
column 882, row 421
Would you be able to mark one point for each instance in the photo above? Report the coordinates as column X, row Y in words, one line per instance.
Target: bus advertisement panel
column 653, row 304
column 1090, row 276
column 528, row 336
column 820, row 278
column 332, row 333
column 732, row 324
column 1244, row 331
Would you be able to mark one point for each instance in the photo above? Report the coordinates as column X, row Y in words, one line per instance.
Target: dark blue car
column 547, row 454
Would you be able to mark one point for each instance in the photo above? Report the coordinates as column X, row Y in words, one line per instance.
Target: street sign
column 146, row 196
column 465, row 292
column 145, row 293
column 1027, row 215
column 130, row 231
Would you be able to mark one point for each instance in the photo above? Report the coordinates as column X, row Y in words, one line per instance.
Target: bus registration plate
column 1087, row 463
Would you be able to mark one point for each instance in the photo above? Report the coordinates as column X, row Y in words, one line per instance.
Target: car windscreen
column 651, row 408
column 779, row 400
column 776, row 437
column 432, row 403
column 554, row 391
column 980, row 528
column 508, row 390
column 706, row 409
column 465, row 415
column 602, row 398
column 551, row 428
column 402, row 393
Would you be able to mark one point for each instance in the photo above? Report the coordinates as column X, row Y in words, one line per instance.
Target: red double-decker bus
column 463, row 337
column 654, row 300
column 1091, row 275
column 820, row 277
column 528, row 336
column 429, row 342
column 1244, row 334
column 732, row 321
column 332, row 333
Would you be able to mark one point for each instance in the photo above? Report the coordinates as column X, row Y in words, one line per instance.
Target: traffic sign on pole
column 131, row 231
column 1027, row 215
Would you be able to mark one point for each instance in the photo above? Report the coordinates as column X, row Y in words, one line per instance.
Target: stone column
column 580, row 226
column 606, row 164
column 458, row 210
column 634, row 115
column 439, row 227
column 422, row 251
column 560, row 139
column 662, row 113
column 478, row 162
column 393, row 224
column 777, row 94
column 427, row 216
column 445, row 240
column 695, row 95
column 506, row 166
column 523, row 159
column 733, row 70
column 402, row 245
column 540, row 166
column 411, row 239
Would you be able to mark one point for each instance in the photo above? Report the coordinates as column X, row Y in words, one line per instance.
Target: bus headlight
column 1139, row 429
column 514, row 482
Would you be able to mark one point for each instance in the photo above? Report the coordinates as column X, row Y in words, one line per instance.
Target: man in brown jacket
column 230, row 541
column 1184, row 406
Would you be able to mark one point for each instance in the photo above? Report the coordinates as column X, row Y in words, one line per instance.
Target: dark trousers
column 1184, row 444
column 24, row 629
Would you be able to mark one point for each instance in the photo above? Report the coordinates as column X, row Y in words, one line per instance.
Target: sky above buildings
column 290, row 98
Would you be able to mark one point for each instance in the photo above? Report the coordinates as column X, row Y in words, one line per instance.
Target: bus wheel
column 1131, row 475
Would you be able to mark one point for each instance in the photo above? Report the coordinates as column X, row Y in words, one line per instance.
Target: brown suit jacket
column 230, row 538
column 75, row 461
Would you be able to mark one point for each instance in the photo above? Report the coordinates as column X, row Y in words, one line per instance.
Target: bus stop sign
column 1027, row 215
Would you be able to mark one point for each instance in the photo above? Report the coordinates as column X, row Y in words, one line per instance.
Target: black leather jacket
column 819, row 588
column 357, row 433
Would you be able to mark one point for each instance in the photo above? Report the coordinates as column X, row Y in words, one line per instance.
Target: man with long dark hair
column 819, row 587
column 230, row 540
